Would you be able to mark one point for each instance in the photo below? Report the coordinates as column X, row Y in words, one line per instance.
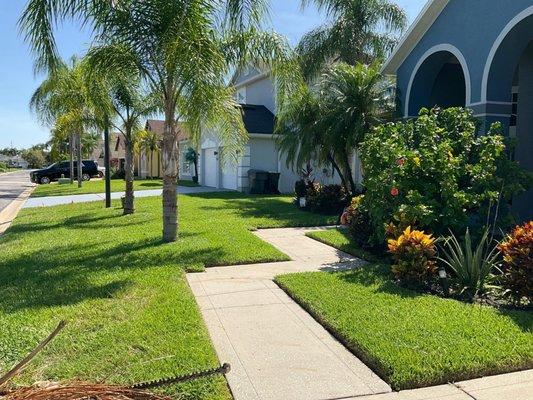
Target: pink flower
column 394, row 191
column 400, row 162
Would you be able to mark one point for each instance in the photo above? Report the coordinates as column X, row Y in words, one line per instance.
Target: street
column 12, row 185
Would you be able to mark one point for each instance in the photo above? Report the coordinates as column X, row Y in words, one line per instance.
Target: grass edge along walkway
column 409, row 339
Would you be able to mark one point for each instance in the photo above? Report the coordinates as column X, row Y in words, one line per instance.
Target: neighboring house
column 14, row 161
column 148, row 163
column 117, row 151
column 256, row 95
column 473, row 53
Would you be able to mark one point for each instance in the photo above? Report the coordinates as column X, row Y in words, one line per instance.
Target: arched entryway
column 508, row 84
column 440, row 79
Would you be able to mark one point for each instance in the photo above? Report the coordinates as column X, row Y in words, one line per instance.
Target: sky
column 21, row 129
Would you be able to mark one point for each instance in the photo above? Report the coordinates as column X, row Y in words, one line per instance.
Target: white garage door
column 229, row 176
column 210, row 168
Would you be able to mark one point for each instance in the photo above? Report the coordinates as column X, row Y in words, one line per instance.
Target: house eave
column 414, row 34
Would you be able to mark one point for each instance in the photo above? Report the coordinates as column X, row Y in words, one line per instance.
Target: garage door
column 229, row 176
column 210, row 168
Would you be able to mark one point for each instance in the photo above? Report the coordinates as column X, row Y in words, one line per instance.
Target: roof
column 257, row 119
column 416, row 32
column 158, row 127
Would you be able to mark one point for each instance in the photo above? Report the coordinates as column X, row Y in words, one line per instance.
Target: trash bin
column 273, row 182
column 258, row 181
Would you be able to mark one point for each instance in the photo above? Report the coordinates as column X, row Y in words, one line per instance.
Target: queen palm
column 328, row 121
column 184, row 50
column 122, row 93
column 63, row 101
column 356, row 31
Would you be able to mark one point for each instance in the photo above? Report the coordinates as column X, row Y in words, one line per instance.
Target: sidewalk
column 85, row 198
column 278, row 351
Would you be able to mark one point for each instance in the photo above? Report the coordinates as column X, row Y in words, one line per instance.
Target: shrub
column 414, row 252
column 472, row 267
column 359, row 224
column 436, row 172
column 3, row 167
column 517, row 250
column 300, row 188
column 327, row 199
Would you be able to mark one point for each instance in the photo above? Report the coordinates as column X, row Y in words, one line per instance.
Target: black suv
column 62, row 169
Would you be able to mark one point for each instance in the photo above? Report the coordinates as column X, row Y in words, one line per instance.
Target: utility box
column 258, row 181
column 273, row 183
column 263, row 182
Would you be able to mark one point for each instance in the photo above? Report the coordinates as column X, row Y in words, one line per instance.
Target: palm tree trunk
column 339, row 171
column 196, row 167
column 71, row 151
column 170, row 155
column 80, row 168
column 349, row 174
column 128, row 166
column 151, row 164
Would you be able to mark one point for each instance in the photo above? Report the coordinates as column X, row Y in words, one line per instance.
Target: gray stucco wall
column 263, row 154
column 261, row 92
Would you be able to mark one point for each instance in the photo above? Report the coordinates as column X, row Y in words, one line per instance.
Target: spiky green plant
column 472, row 267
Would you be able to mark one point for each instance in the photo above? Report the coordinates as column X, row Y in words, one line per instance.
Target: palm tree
column 184, row 49
column 63, row 101
column 149, row 142
column 357, row 31
column 329, row 121
column 129, row 103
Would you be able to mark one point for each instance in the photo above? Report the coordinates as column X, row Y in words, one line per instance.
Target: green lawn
column 413, row 340
column 131, row 315
column 341, row 239
column 98, row 186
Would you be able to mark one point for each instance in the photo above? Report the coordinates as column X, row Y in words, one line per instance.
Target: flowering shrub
column 328, row 199
column 517, row 250
column 436, row 172
column 414, row 256
column 359, row 224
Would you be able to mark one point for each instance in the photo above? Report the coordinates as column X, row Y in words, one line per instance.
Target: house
column 14, row 161
column 148, row 161
column 117, row 151
column 477, row 54
column 256, row 95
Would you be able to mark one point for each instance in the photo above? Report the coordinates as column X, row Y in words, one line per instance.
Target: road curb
column 8, row 214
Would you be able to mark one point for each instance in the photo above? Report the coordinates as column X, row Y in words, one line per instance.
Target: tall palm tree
column 63, row 101
column 184, row 50
column 356, row 31
column 128, row 103
column 329, row 121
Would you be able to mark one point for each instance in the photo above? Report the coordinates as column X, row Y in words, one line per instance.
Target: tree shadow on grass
column 259, row 208
column 71, row 274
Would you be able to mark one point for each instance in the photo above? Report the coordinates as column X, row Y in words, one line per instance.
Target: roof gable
column 415, row 33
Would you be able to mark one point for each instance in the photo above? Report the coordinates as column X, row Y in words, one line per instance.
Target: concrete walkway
column 278, row 351
column 85, row 198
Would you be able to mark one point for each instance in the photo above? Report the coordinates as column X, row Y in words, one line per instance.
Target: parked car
column 62, row 169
